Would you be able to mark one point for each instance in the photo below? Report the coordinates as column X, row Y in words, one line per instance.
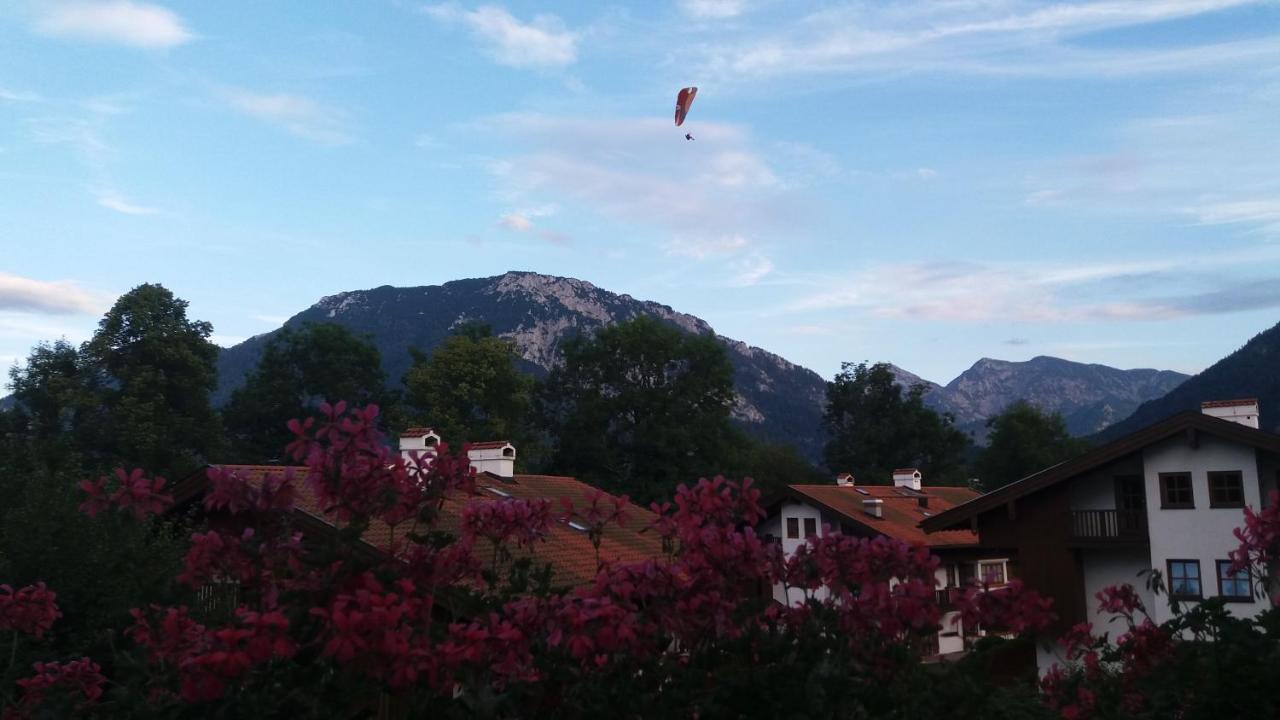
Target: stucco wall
column 1113, row 567
column 1203, row 533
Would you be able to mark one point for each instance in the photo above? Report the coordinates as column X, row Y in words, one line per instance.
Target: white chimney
column 497, row 457
column 844, row 480
column 421, row 440
column 1244, row 411
column 907, row 477
column 873, row 507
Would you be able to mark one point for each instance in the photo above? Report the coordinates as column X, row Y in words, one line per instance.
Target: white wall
column 1096, row 490
column 1205, row 533
column 777, row 526
column 1113, row 567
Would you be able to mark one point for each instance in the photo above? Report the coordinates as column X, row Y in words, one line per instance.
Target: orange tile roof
column 901, row 509
column 567, row 550
column 488, row 444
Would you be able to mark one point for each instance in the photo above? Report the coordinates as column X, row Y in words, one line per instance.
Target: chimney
column 844, row 480
column 907, row 477
column 873, row 507
column 1243, row 411
column 497, row 457
column 422, row 440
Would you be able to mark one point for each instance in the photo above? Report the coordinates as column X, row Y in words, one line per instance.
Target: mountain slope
column 778, row 400
column 1253, row 371
column 1089, row 397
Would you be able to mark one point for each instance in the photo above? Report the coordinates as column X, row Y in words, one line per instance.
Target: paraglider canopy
column 683, row 102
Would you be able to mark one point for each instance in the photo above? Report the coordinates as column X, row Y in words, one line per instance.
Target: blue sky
column 924, row 182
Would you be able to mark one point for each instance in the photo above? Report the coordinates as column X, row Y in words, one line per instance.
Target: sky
column 925, row 182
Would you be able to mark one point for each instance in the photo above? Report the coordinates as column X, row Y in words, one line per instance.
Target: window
column 1184, row 580
column 1175, row 491
column 793, row 528
column 1235, row 587
column 992, row 573
column 1226, row 489
column 810, row 527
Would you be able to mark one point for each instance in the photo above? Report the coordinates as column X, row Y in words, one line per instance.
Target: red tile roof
column 568, row 551
column 418, row 432
column 901, row 509
column 905, row 471
column 488, row 444
column 1228, row 403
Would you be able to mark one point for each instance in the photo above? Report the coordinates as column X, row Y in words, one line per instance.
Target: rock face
column 1253, row 371
column 778, row 401
column 1089, row 397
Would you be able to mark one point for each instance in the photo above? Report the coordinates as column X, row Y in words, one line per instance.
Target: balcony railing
column 1109, row 525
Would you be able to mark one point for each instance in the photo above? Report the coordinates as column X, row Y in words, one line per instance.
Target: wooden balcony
column 1109, row 527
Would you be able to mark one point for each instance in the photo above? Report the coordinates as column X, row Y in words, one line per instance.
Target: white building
column 890, row 510
column 1166, row 497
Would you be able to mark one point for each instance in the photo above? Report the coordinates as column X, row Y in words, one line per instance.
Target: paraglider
column 683, row 102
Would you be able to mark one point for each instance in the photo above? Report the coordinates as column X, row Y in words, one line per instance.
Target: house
column 893, row 511
column 567, row 548
column 1166, row 497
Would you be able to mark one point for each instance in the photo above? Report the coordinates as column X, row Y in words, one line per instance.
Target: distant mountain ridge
column 778, row 401
column 1253, row 371
column 1089, row 397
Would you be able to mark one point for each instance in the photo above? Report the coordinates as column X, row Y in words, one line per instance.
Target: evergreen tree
column 876, row 426
column 1023, row 441
column 299, row 369
column 641, row 407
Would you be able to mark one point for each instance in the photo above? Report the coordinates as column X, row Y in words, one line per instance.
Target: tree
column 299, row 369
column 876, row 427
column 56, row 420
column 1024, row 440
column 157, row 369
column 469, row 389
column 774, row 466
column 641, row 407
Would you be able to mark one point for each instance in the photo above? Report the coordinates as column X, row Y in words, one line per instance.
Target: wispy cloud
column 749, row 270
column 1265, row 213
column 1010, row 37
column 515, row 221
column 1054, row 293
column 114, row 202
column 713, row 9
column 296, row 114
column 18, row 96
column 119, row 22
column 59, row 297
column 542, row 42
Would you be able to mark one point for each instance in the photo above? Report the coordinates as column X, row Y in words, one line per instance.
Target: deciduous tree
column 877, row 426
column 1024, row 440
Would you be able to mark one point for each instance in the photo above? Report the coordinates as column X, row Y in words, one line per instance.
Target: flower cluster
column 29, row 610
column 133, row 492
column 79, row 683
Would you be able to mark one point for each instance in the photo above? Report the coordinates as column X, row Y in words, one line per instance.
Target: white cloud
column 925, row 173
column 112, row 201
column 16, row 96
column 713, row 9
column 1008, row 37
column 1265, row 212
column 749, row 270
column 972, row 292
column 515, row 221
column 59, row 297
column 115, row 21
column 296, row 114
column 543, row 42
column 701, row 248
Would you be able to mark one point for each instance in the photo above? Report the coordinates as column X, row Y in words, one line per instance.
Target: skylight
column 496, row 491
column 860, row 491
column 577, row 526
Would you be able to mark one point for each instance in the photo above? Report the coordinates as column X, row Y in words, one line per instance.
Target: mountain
column 778, row 401
column 1089, row 397
column 1253, row 371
